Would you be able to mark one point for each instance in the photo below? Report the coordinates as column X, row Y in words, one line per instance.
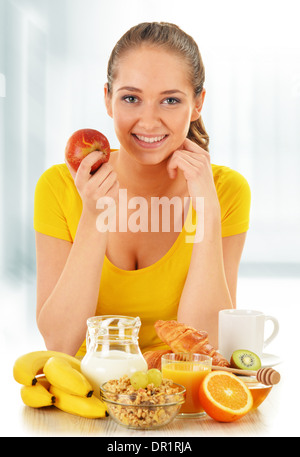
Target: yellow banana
column 37, row 396
column 60, row 373
column 27, row 366
column 91, row 407
column 41, row 379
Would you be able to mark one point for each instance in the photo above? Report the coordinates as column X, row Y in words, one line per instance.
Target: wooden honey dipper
column 267, row 376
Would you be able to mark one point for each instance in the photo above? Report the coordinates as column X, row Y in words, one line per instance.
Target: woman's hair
column 172, row 38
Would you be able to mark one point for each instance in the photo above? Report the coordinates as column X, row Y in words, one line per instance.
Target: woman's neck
column 145, row 180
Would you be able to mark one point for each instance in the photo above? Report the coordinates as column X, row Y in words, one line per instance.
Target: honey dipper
column 267, row 376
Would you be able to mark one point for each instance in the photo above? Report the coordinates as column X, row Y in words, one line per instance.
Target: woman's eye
column 130, row 99
column 171, row 101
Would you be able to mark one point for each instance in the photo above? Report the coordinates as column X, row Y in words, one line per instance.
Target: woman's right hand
column 69, row 272
column 103, row 183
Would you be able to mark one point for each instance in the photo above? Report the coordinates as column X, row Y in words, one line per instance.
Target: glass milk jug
column 112, row 349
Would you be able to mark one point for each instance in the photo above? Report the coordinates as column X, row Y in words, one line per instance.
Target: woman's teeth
column 152, row 139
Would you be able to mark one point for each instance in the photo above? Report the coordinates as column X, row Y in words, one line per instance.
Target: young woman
column 154, row 93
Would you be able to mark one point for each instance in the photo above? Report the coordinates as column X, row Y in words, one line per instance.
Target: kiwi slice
column 245, row 360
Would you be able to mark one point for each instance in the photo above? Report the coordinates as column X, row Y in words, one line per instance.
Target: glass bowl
column 258, row 390
column 144, row 409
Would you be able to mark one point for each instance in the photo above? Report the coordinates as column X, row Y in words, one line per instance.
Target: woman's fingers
column 108, row 186
column 185, row 161
column 189, row 145
column 189, row 153
column 84, row 170
column 92, row 187
column 194, row 162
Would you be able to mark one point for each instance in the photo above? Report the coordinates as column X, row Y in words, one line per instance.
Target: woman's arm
column 68, row 279
column 211, row 281
column 232, row 252
column 68, row 274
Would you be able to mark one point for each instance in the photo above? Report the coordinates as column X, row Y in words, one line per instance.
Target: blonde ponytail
column 198, row 134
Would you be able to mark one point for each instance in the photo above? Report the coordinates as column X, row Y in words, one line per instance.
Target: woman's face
column 152, row 103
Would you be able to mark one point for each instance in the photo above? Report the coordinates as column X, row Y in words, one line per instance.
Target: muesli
column 144, row 408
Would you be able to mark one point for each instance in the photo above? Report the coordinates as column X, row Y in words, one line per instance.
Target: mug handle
column 275, row 329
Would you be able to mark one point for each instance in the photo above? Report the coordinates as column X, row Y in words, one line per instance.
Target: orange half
column 224, row 397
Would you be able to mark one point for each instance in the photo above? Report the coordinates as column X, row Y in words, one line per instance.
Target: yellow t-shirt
column 153, row 292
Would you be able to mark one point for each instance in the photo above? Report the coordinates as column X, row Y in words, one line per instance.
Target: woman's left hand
column 195, row 164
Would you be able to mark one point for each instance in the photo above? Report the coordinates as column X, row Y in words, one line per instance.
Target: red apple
column 81, row 143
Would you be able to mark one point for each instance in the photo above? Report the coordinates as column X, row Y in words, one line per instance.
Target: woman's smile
column 149, row 141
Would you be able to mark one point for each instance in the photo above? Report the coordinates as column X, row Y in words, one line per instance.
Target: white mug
column 244, row 329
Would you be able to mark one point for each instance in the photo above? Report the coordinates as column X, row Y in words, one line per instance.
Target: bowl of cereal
column 148, row 408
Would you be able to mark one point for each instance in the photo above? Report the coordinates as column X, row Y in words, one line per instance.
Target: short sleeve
column 49, row 214
column 235, row 201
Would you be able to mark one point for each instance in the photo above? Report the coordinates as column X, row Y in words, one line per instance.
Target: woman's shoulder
column 57, row 177
column 226, row 177
column 223, row 173
column 232, row 188
column 235, row 199
column 58, row 172
column 57, row 181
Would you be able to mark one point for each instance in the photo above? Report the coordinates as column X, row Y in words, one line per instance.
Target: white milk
column 99, row 369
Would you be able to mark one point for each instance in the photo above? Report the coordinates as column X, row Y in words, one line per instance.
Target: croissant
column 183, row 338
column 153, row 358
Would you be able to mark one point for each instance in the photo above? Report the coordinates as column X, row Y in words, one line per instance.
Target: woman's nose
column 149, row 118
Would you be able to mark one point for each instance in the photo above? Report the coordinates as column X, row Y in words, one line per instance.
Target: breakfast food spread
column 182, row 338
column 141, row 398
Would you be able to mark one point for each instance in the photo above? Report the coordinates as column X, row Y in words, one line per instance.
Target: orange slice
column 224, row 397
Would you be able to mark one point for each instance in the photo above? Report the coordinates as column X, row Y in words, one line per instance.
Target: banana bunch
column 54, row 378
